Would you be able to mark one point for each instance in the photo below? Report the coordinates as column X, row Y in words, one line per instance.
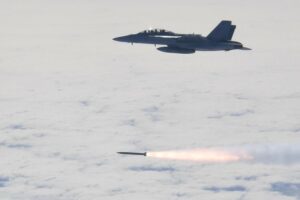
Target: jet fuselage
column 218, row 40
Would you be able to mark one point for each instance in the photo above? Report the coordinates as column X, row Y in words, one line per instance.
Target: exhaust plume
column 202, row 155
column 268, row 154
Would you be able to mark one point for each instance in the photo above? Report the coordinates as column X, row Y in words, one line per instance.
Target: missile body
column 133, row 153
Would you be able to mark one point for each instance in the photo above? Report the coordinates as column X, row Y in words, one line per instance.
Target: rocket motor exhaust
column 251, row 153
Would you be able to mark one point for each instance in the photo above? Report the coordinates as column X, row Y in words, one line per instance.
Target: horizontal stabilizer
column 245, row 48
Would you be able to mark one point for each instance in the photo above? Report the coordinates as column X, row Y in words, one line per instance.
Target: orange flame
column 202, row 155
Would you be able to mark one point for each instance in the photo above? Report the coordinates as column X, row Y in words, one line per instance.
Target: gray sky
column 70, row 97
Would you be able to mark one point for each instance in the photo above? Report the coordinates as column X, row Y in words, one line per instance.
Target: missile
column 133, row 153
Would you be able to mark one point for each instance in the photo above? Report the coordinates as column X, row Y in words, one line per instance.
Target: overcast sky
column 71, row 97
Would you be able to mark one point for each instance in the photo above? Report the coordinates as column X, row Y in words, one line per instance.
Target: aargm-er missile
column 133, row 153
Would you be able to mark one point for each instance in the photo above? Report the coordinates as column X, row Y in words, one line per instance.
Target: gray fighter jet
column 218, row 40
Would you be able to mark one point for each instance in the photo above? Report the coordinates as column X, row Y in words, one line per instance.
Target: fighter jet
column 218, row 40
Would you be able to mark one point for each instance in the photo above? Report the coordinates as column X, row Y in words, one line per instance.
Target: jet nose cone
column 117, row 39
column 121, row 39
column 126, row 38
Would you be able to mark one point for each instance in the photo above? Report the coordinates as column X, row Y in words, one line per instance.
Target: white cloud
column 70, row 97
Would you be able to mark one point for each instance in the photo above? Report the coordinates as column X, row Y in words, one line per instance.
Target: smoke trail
column 275, row 154
column 268, row 154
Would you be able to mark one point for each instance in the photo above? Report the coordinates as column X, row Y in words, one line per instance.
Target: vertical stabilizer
column 223, row 32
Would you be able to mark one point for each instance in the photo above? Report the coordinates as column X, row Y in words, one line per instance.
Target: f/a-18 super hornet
column 217, row 40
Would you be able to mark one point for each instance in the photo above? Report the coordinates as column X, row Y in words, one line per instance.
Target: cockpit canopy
column 156, row 32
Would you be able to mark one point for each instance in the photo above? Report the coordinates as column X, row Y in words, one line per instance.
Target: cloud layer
column 71, row 97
